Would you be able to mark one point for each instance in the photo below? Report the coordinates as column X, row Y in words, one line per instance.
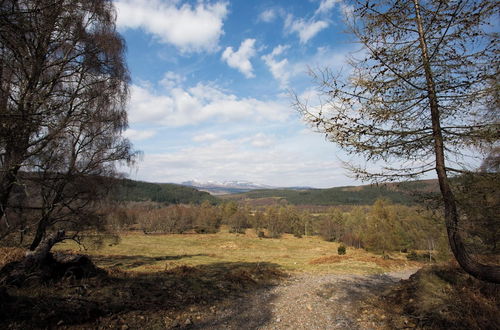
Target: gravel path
column 328, row 301
column 310, row 302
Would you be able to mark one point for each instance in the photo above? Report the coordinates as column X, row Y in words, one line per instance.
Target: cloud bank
column 190, row 28
column 178, row 106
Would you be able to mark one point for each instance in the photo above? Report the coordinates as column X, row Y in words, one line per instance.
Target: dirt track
column 311, row 302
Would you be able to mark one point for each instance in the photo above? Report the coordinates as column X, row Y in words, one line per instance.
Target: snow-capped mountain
column 225, row 187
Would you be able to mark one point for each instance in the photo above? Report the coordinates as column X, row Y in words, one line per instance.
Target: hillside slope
column 137, row 191
column 406, row 193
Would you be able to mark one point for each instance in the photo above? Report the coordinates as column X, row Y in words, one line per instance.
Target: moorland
column 256, row 260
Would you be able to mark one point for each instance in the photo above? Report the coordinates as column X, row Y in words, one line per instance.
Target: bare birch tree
column 63, row 89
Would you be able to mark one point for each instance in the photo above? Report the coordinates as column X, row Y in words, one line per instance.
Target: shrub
column 412, row 256
column 422, row 257
column 341, row 249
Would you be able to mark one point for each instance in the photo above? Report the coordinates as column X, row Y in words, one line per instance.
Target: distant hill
column 403, row 193
column 226, row 187
column 130, row 190
column 406, row 193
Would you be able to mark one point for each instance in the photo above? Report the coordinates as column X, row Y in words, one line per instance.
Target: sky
column 211, row 84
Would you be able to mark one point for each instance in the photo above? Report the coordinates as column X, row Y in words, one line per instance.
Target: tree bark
column 40, row 232
column 40, row 254
column 37, row 263
column 481, row 271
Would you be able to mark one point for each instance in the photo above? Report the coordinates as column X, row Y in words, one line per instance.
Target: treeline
column 154, row 218
column 272, row 221
column 385, row 227
column 168, row 193
column 407, row 193
column 381, row 227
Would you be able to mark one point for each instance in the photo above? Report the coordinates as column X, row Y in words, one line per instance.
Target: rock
column 188, row 322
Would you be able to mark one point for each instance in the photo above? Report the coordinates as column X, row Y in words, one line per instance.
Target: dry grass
column 9, row 254
column 129, row 299
column 328, row 260
column 167, row 281
column 440, row 297
column 362, row 258
column 154, row 253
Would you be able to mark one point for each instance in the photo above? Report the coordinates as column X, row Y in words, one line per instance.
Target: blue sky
column 210, row 91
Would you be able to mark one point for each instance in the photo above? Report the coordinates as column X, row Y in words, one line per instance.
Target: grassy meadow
column 206, row 280
column 169, row 281
column 137, row 252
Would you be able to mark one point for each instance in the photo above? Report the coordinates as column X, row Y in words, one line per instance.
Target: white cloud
column 171, row 80
column 268, row 15
column 279, row 69
column 190, row 28
column 277, row 163
column 201, row 103
column 305, row 29
column 145, row 106
column 139, row 135
column 284, row 70
column 326, row 5
column 262, row 140
column 207, row 137
column 240, row 59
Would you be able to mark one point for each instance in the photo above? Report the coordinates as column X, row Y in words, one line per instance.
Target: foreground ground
column 327, row 301
column 233, row 282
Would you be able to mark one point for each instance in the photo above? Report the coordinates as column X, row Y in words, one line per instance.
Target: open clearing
column 137, row 252
column 215, row 281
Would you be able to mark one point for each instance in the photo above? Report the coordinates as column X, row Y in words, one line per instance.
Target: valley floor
column 225, row 281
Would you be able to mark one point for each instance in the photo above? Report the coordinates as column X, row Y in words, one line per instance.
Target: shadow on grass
column 217, row 295
column 129, row 262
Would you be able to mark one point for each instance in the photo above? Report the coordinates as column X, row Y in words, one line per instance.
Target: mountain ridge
column 233, row 186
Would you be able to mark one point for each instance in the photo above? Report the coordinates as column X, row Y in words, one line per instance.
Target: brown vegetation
column 440, row 297
column 328, row 259
column 175, row 297
column 386, row 263
column 10, row 254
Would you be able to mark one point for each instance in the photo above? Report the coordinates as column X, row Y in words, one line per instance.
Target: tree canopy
column 63, row 90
